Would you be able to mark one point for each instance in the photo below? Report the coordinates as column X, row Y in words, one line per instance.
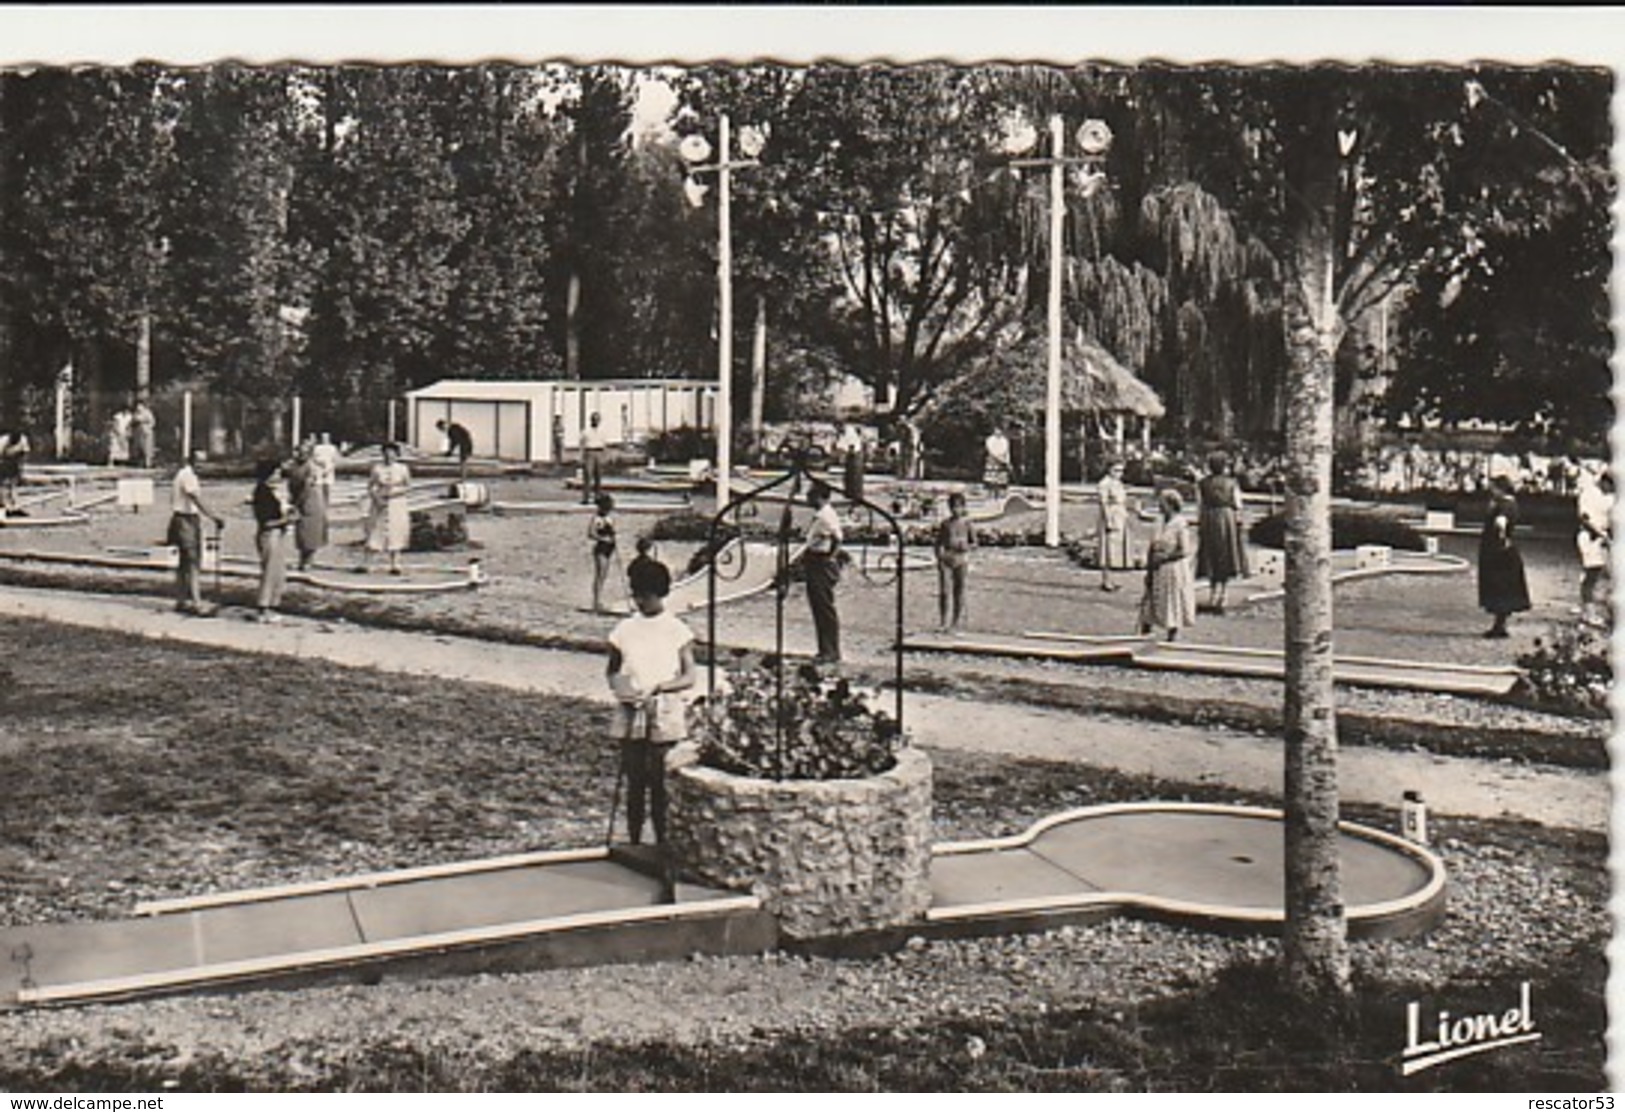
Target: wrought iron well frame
column 798, row 475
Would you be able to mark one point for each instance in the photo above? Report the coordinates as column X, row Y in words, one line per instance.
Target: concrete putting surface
column 1205, row 865
column 1211, row 867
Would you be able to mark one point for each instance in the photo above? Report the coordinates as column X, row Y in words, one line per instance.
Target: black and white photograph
column 630, row 549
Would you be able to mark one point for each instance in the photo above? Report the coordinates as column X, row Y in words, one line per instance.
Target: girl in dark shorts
column 601, row 532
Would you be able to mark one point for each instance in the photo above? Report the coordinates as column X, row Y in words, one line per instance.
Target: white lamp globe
column 694, row 148
column 1094, row 137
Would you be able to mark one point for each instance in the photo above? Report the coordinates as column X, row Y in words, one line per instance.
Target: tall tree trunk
column 1316, row 937
column 758, row 376
column 11, row 379
column 90, row 409
column 143, row 358
column 572, row 327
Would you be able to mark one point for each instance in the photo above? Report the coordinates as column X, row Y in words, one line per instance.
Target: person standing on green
column 143, row 433
column 272, row 515
column 186, row 534
column 955, row 538
column 1113, row 524
column 821, row 560
column 651, row 661
column 309, row 498
column 593, row 446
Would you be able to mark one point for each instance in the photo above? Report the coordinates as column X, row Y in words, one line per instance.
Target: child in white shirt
column 651, row 659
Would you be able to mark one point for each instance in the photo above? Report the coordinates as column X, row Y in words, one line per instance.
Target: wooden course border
column 359, row 585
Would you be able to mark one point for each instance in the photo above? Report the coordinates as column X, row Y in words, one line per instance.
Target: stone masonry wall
column 826, row 857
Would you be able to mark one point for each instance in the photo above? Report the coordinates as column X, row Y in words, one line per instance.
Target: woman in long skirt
column 309, row 497
column 1221, row 553
column 1502, row 588
column 390, row 526
column 1170, row 588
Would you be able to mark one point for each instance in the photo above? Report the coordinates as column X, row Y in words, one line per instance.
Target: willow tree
column 1159, row 270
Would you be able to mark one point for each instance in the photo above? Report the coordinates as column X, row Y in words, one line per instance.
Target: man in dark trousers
column 593, row 445
column 186, row 534
column 459, row 443
column 821, row 560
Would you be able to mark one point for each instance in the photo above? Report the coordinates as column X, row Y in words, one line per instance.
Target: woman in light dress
column 389, row 526
column 1113, row 524
column 1170, row 585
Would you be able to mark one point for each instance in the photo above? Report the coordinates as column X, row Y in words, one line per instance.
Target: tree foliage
column 350, row 231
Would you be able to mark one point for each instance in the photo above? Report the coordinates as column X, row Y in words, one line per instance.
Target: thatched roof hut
column 1093, row 383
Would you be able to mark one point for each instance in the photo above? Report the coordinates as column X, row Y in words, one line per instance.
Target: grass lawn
column 139, row 770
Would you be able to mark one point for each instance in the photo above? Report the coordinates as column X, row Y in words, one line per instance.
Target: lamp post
column 695, row 150
column 1094, row 140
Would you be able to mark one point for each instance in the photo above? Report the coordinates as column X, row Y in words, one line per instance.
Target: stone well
column 827, row 858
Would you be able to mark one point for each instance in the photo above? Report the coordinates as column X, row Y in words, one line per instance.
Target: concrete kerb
column 1442, row 564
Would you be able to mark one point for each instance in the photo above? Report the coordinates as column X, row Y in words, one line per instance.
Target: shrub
column 830, row 732
column 682, row 444
column 1570, row 673
column 1085, row 551
column 686, row 526
column 991, row 535
column 1350, row 529
column 429, row 535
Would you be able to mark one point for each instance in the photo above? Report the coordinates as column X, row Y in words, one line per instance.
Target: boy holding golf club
column 651, row 660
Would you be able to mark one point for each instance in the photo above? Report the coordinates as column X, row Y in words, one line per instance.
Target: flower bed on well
column 829, row 729
column 807, row 797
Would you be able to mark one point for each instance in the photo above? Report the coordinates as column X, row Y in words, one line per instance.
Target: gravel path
column 1199, row 754
column 540, row 572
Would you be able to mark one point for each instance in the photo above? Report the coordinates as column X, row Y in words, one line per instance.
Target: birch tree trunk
column 758, row 377
column 1315, row 946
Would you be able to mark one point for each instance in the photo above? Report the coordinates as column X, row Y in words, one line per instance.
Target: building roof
column 486, row 389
